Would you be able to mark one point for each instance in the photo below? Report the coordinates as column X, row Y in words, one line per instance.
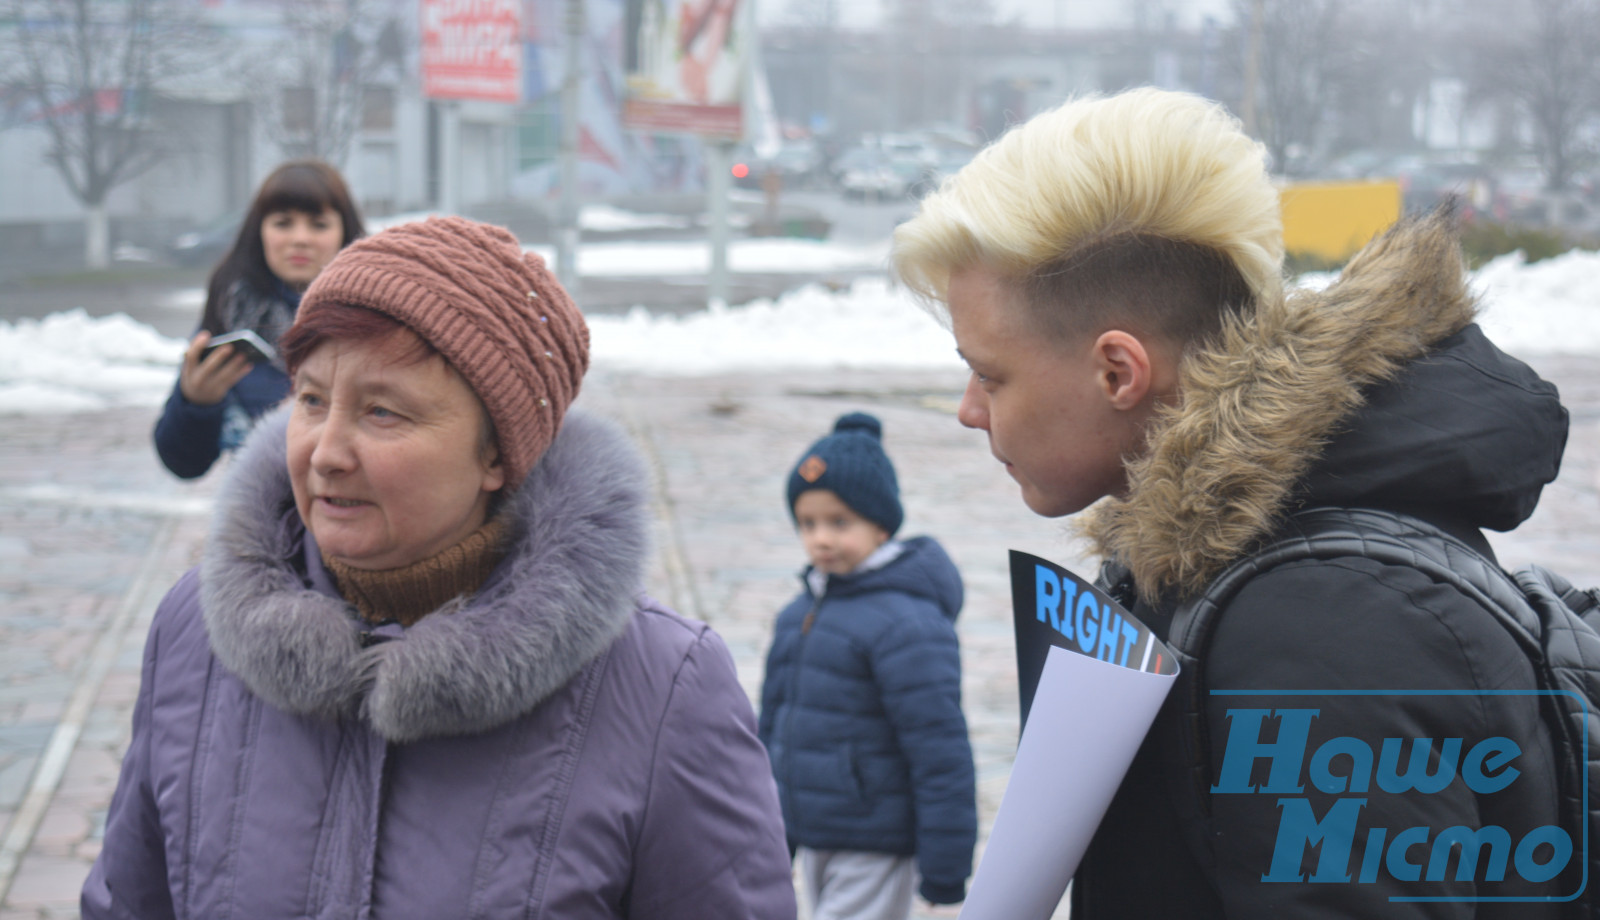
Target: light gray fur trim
column 567, row 590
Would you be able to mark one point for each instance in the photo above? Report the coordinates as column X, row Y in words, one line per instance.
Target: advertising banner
column 686, row 62
column 1091, row 679
column 472, row 49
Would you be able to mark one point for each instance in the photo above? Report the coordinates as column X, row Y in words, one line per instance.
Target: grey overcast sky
column 1071, row 14
column 1082, row 13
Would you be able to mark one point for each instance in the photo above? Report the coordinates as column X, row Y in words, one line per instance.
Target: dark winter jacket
column 189, row 438
column 556, row 746
column 1376, row 393
column 861, row 714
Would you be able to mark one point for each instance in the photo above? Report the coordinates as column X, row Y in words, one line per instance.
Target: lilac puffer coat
column 557, row 746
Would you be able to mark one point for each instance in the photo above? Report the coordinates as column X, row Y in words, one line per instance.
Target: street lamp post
column 567, row 233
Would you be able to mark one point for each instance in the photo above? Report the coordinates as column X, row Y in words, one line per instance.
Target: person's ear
column 1125, row 370
column 494, row 468
column 494, row 475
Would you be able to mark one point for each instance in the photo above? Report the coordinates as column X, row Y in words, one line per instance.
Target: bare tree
column 1298, row 71
column 90, row 72
column 1548, row 68
column 1390, row 56
column 310, row 85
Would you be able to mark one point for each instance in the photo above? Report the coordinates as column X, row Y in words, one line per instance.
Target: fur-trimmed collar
column 1256, row 410
column 565, row 591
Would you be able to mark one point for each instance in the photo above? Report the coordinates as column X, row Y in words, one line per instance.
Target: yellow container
column 1331, row 220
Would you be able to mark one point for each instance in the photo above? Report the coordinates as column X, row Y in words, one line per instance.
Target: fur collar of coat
column 565, row 591
column 1257, row 407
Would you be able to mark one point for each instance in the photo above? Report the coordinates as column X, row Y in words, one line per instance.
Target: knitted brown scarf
column 411, row 592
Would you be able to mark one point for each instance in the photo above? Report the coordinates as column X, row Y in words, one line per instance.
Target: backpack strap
column 1326, row 534
column 1538, row 609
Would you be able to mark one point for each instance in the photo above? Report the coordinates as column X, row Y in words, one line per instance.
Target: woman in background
column 301, row 217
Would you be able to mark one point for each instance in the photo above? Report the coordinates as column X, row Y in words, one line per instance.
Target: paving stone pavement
column 93, row 531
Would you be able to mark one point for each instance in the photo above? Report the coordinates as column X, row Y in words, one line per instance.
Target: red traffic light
column 740, row 170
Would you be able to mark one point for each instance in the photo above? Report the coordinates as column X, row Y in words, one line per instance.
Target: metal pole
column 449, row 156
column 718, row 154
column 1252, row 69
column 567, row 222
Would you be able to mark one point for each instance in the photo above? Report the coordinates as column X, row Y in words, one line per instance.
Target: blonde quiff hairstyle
column 1146, row 163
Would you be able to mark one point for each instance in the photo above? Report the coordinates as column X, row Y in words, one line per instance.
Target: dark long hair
column 298, row 185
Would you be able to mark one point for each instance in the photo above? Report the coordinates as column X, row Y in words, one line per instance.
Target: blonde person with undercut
column 1112, row 273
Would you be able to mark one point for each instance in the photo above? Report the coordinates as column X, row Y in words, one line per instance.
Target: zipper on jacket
column 379, row 797
column 806, row 623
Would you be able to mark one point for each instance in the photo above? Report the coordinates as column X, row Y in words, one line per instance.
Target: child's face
column 836, row 539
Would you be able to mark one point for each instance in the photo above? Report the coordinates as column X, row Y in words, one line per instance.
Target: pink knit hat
column 494, row 312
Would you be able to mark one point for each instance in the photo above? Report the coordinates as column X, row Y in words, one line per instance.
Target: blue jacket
column 189, row 438
column 861, row 715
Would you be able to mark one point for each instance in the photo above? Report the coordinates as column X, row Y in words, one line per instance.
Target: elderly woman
column 413, row 675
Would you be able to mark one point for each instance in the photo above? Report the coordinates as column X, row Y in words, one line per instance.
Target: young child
column 861, row 707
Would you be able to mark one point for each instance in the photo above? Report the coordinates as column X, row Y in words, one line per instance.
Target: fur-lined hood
column 564, row 592
column 1248, row 439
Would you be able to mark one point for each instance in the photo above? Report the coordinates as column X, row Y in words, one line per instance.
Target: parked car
column 880, row 178
column 1429, row 183
column 947, row 161
column 208, row 243
column 797, row 162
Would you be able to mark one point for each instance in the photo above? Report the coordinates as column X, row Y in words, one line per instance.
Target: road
column 169, row 297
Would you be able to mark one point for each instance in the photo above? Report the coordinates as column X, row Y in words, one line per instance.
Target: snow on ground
column 1549, row 306
column 685, row 258
column 693, row 257
column 598, row 217
column 873, row 324
column 605, row 218
column 70, row 362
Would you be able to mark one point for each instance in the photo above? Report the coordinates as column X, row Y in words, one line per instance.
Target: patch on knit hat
column 851, row 464
column 495, row 313
column 812, row 469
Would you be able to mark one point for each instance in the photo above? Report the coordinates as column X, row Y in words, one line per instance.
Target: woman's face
column 384, row 453
column 299, row 244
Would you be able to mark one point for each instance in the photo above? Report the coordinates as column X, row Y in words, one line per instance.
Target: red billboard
column 472, row 49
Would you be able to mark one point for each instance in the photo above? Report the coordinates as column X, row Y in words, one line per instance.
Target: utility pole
column 1252, row 68
column 567, row 223
column 718, row 154
column 449, row 156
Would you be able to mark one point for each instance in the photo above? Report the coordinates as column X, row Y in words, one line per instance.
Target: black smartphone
column 245, row 342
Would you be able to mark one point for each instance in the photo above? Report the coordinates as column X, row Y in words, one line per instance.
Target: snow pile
column 1549, row 306
column 607, row 219
column 677, row 258
column 70, row 362
column 870, row 325
column 682, row 259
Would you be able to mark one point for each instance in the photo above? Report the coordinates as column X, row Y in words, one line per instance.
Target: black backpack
column 1555, row 624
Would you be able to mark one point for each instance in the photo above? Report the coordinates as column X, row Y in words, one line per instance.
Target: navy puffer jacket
column 190, row 437
column 861, row 715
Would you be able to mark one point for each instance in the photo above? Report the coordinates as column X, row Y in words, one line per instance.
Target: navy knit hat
column 851, row 464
